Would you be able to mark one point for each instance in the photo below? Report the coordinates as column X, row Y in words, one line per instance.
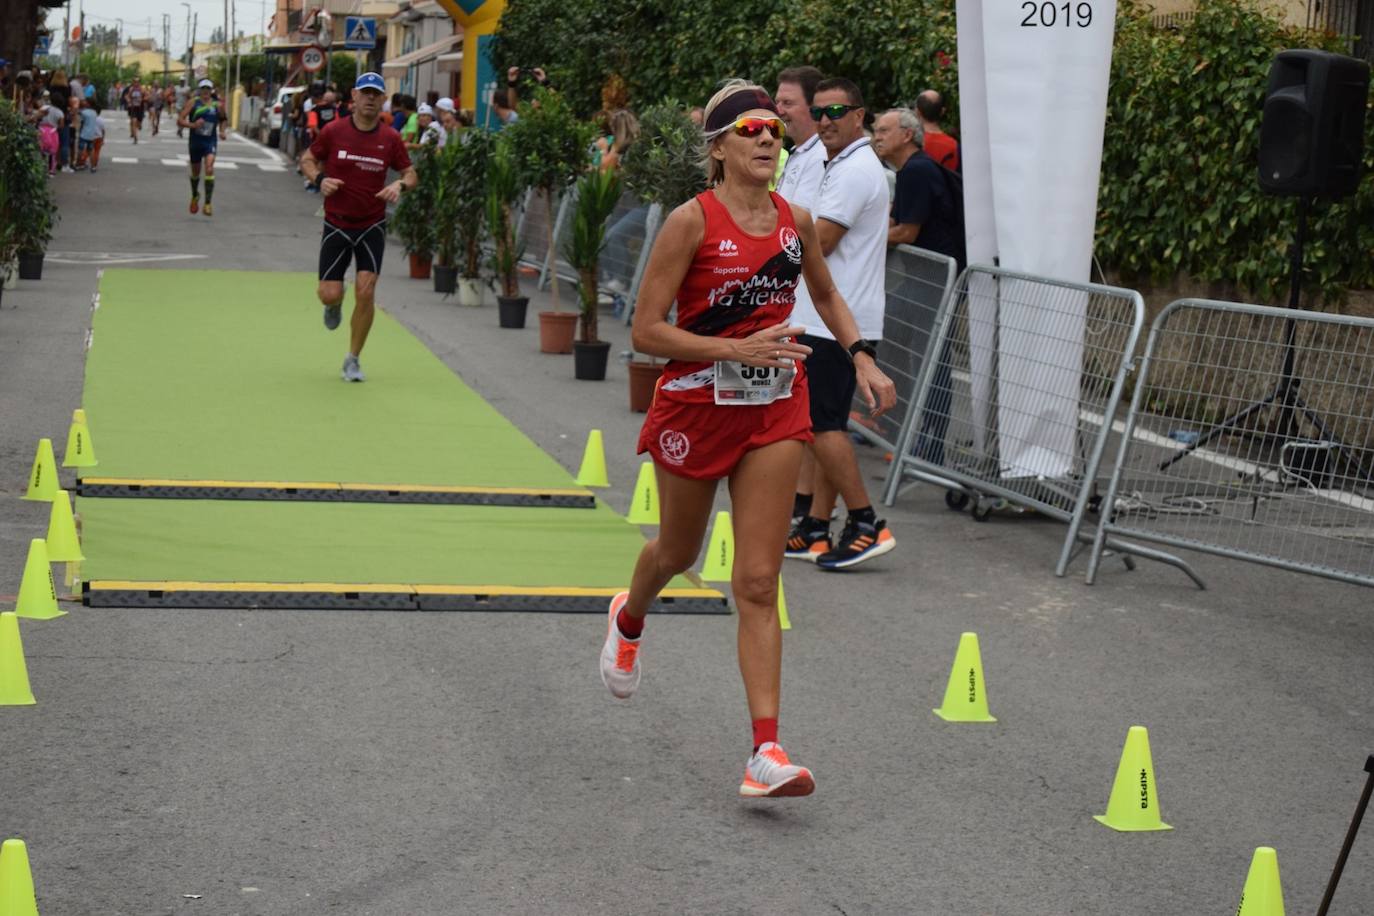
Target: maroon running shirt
column 360, row 159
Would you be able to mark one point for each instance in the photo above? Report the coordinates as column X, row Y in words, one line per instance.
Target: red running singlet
column 737, row 284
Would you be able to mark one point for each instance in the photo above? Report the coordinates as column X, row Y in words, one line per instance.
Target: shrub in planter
column 551, row 145
column 413, row 221
column 504, row 187
column 28, row 210
column 597, row 194
column 467, row 186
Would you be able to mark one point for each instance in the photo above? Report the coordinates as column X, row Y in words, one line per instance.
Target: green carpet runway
column 219, row 391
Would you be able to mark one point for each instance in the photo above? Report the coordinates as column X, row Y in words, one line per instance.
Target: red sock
column 630, row 627
column 765, row 730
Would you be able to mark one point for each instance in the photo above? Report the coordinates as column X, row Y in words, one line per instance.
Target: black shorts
column 136, row 114
column 339, row 246
column 830, row 374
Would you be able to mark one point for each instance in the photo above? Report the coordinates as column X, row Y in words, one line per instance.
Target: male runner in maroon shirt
column 348, row 162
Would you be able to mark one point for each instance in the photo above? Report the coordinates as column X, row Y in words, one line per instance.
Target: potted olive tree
column 597, row 194
column 413, row 221
column 663, row 167
column 552, row 145
column 469, row 186
column 504, row 187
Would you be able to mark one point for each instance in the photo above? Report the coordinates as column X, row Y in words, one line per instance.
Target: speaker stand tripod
column 1285, row 393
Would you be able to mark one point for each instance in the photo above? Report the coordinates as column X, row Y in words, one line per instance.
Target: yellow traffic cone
column 783, row 620
column 37, row 594
column 1134, row 804
column 14, row 680
column 1263, row 894
column 966, row 698
column 43, row 478
column 644, row 508
column 62, row 543
column 720, row 551
column 80, row 451
column 593, row 470
column 16, row 881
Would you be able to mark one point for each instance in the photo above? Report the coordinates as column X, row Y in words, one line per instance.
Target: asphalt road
column 414, row 764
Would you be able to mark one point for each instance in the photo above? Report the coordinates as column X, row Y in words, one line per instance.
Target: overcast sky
column 250, row 17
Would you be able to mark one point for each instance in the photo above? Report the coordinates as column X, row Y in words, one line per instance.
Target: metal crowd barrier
column 1015, row 400
column 532, row 232
column 1251, row 435
column 918, row 283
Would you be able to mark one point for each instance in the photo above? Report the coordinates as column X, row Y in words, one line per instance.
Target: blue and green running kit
column 205, row 138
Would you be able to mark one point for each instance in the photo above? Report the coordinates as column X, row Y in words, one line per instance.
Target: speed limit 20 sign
column 312, row 59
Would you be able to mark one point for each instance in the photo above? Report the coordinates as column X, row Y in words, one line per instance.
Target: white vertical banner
column 980, row 224
column 1046, row 67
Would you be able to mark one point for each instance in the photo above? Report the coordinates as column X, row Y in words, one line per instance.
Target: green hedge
column 1179, row 190
column 1178, row 193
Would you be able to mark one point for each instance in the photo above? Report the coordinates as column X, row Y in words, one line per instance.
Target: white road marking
column 115, row 257
column 124, row 159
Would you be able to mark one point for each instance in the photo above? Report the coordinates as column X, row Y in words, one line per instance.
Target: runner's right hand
column 330, row 185
column 774, row 348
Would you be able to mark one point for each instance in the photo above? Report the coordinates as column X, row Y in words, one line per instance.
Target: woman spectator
column 60, row 98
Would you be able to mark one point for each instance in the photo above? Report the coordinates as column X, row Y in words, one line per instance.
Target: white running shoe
column 352, row 372
column 619, row 656
column 769, row 774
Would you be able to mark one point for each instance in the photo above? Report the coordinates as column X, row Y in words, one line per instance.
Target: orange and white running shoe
column 619, row 656
column 769, row 774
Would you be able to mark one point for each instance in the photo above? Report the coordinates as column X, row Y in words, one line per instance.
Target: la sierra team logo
column 791, row 244
column 674, row 446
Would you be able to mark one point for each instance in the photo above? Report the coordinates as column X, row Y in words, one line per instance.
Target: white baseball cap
column 424, row 109
column 206, row 84
column 444, row 104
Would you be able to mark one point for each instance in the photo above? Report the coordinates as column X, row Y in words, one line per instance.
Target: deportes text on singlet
column 737, row 284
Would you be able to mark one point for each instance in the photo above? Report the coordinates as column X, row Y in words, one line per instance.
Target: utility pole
column 81, row 43
column 191, row 57
column 119, row 41
column 225, row 48
column 67, row 36
column 166, row 39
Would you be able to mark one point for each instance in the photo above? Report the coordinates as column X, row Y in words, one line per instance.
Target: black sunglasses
column 833, row 112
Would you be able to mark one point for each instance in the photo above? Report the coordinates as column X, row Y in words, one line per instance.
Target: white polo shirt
column 801, row 174
column 853, row 193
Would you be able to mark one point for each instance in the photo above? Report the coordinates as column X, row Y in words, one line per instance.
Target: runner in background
column 204, row 116
column 348, row 162
column 136, row 98
column 732, row 403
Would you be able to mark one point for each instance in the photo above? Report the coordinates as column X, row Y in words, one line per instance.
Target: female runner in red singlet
column 732, row 402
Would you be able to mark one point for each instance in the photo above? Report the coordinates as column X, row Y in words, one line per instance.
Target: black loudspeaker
column 1312, row 134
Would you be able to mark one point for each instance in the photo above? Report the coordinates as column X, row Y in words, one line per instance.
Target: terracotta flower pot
column 556, row 331
column 419, row 267
column 643, row 383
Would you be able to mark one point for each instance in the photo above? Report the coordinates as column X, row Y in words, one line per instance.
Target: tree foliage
column 1179, row 194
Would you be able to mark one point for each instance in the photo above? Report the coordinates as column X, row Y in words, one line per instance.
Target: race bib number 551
column 737, row 383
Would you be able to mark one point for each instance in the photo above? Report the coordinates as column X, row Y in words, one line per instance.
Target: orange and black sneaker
column 809, row 539
column 859, row 543
column 195, row 204
column 770, row 774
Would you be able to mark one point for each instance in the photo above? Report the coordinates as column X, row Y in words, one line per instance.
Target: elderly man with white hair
column 923, row 209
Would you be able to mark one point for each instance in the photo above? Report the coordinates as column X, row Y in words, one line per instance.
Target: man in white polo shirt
column 850, row 211
column 800, row 184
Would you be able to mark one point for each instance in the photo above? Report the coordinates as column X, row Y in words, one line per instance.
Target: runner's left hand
column 391, row 193
column 875, row 388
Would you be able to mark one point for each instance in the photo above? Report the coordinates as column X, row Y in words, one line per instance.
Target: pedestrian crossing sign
column 360, row 33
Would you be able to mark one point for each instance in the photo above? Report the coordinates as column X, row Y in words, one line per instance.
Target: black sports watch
column 863, row 346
